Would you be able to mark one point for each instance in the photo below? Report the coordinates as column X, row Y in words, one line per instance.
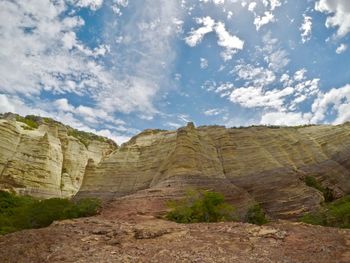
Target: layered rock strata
column 46, row 161
column 266, row 165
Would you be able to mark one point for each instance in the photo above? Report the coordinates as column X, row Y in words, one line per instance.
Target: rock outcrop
column 45, row 161
column 146, row 239
column 266, row 165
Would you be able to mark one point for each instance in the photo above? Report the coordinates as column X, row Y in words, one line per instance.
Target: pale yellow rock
column 262, row 163
column 44, row 162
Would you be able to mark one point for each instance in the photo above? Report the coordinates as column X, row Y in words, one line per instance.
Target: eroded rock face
column 258, row 164
column 44, row 162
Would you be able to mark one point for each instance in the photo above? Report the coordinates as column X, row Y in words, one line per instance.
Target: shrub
column 200, row 206
column 312, row 182
column 334, row 214
column 21, row 212
column 256, row 215
column 29, row 120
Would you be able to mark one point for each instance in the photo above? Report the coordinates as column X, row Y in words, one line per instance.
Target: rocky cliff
column 267, row 165
column 44, row 158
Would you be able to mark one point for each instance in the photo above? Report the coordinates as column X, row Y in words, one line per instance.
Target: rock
column 44, row 162
column 250, row 165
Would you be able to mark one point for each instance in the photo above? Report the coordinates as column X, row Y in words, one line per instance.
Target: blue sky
column 116, row 67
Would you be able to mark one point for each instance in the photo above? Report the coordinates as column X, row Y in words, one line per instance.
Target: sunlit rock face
column 266, row 165
column 44, row 162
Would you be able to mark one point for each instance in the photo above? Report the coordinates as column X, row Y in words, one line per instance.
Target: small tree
column 256, row 215
column 200, row 206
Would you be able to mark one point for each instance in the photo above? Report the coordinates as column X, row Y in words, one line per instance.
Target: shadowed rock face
column 44, row 162
column 258, row 164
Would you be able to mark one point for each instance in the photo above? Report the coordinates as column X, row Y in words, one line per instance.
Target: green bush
column 30, row 120
column 256, row 215
column 200, row 206
column 312, row 182
column 22, row 212
column 334, row 214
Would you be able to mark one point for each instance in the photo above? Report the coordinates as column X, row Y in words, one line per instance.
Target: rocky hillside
column 44, row 158
column 265, row 165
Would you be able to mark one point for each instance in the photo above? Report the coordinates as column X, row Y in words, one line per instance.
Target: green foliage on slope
column 30, row 120
column 201, row 206
column 334, row 214
column 23, row 212
column 312, row 182
column 256, row 215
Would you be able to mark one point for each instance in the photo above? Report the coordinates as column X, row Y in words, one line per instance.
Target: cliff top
column 32, row 122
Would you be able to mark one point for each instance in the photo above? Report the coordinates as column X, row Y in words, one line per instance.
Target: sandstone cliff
column 267, row 165
column 45, row 160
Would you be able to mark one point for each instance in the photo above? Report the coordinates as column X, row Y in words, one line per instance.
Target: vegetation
column 86, row 137
column 256, row 215
column 334, row 214
column 23, row 212
column 30, row 120
column 312, row 182
column 201, row 206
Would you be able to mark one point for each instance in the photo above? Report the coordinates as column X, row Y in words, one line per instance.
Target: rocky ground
column 128, row 231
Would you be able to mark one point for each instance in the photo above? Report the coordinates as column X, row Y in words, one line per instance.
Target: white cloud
column 285, row 118
column 203, row 63
column 306, row 28
column 300, row 74
column 276, row 57
column 257, row 76
column 196, row 36
column 252, row 6
column 336, row 100
column 213, row 112
column 338, row 14
column 259, row 21
column 229, row 42
column 252, row 97
column 341, row 49
column 92, row 4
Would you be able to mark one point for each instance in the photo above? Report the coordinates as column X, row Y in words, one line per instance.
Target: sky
column 117, row 67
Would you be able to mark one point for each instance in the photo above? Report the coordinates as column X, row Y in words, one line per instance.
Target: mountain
column 289, row 171
column 271, row 166
column 44, row 158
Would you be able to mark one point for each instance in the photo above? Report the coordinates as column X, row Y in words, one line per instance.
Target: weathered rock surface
column 147, row 239
column 257, row 164
column 45, row 162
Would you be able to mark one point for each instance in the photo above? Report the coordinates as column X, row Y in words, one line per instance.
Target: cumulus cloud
column 338, row 14
column 259, row 21
column 257, row 76
column 337, row 100
column 306, row 28
column 341, row 48
column 229, row 42
column 285, row 118
column 253, row 97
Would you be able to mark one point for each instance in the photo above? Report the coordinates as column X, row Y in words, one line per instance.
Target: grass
column 334, row 214
column 201, row 206
column 24, row 212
